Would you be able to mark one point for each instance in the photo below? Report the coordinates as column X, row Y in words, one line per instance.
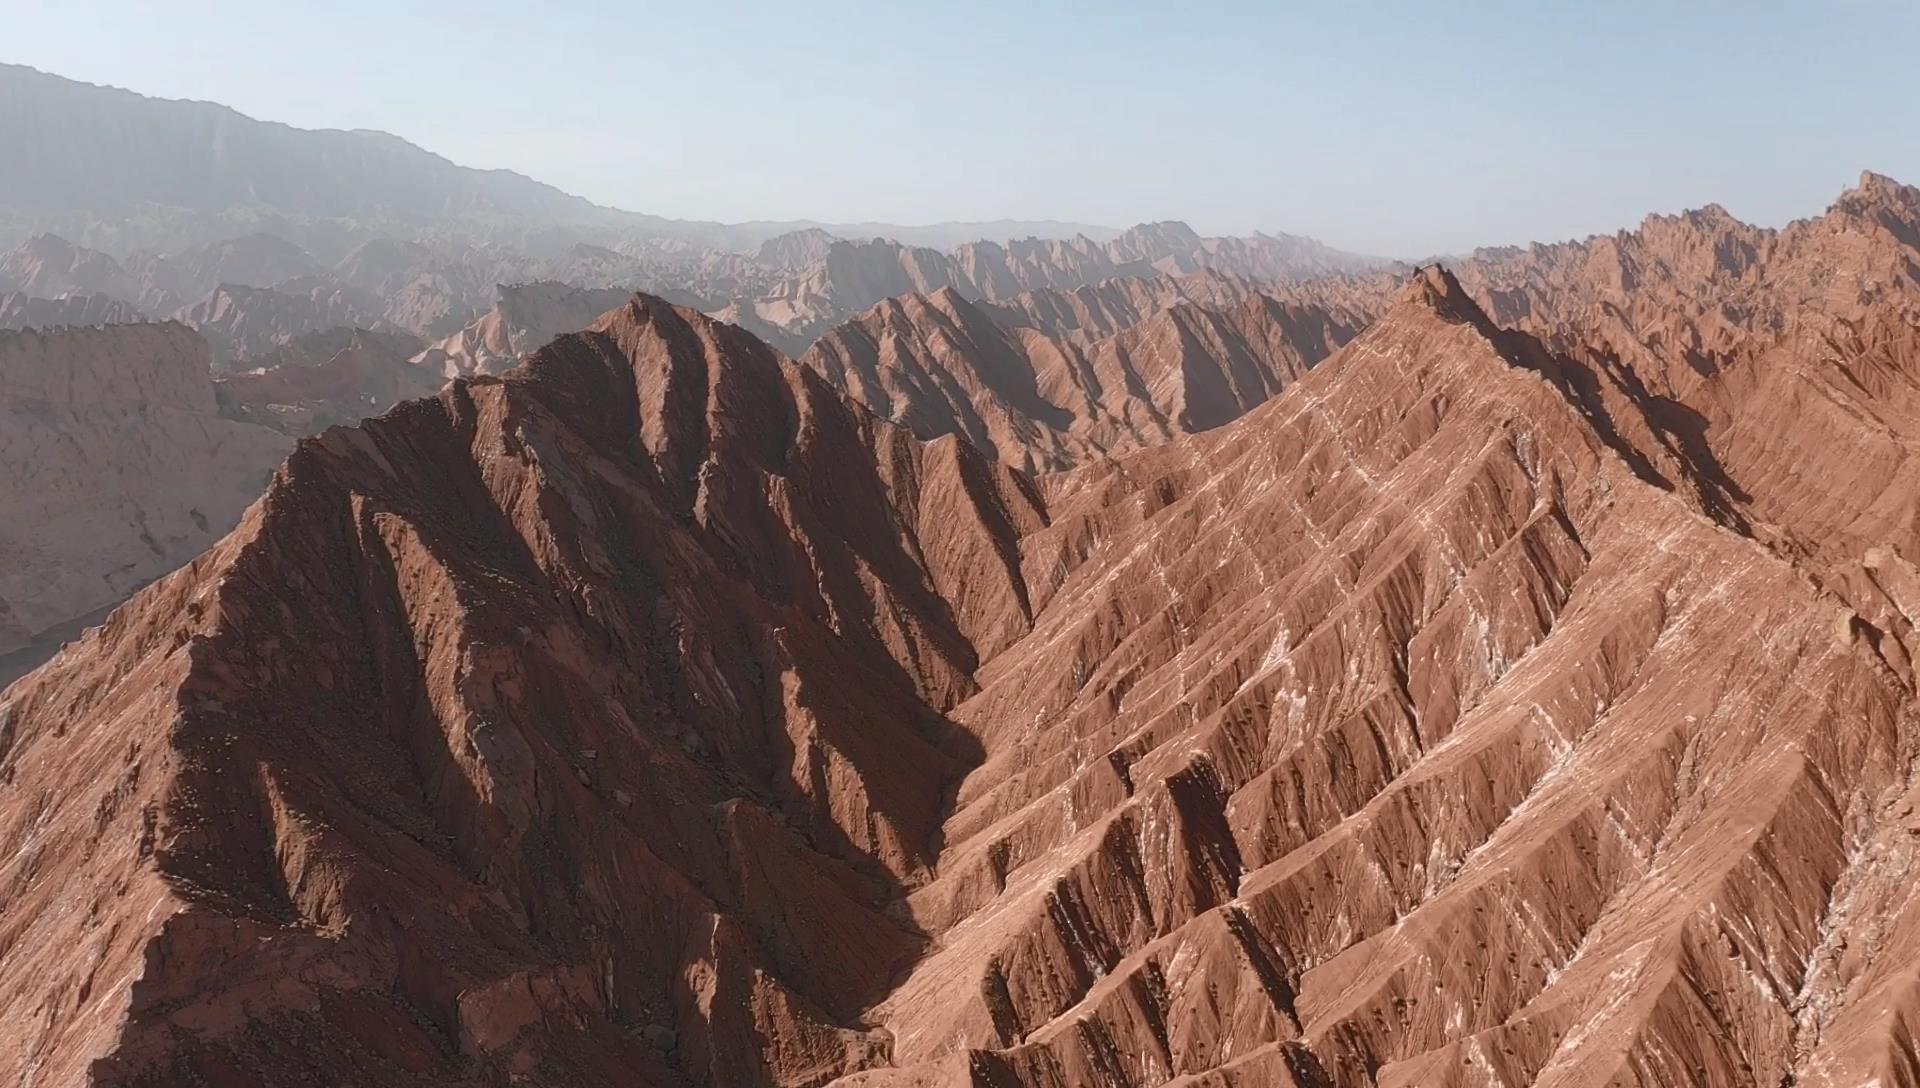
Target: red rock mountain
column 1507, row 700
column 745, row 602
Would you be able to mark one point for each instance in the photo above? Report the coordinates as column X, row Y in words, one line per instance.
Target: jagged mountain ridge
column 524, row 318
column 852, row 277
column 284, row 365
column 942, row 365
column 1755, row 345
column 1452, row 797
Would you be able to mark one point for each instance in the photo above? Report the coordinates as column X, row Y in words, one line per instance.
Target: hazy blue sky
column 1403, row 129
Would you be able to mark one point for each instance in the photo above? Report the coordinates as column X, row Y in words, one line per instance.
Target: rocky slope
column 114, row 467
column 1767, row 353
column 941, row 365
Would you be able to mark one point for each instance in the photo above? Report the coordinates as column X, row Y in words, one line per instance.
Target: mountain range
column 1491, row 676
column 455, row 634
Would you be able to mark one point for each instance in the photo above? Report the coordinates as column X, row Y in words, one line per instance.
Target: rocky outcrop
column 114, row 467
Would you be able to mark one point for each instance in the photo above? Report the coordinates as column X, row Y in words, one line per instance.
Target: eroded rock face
column 1488, row 705
column 114, row 467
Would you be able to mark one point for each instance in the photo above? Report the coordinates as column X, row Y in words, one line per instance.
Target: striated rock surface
column 114, row 467
column 1785, row 361
column 1418, row 729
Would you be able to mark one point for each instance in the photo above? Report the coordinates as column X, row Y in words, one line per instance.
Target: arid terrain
column 455, row 634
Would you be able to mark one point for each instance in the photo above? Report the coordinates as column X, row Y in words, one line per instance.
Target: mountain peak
column 1879, row 190
column 1434, row 288
column 1870, row 182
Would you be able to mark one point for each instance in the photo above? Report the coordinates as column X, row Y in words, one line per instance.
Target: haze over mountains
column 89, row 153
column 1146, row 660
